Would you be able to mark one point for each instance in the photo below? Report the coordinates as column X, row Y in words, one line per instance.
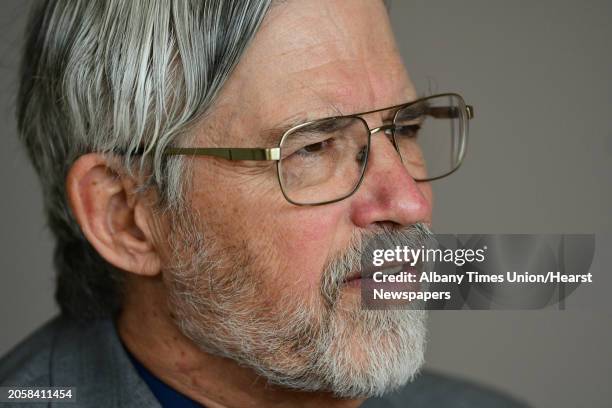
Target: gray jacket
column 90, row 357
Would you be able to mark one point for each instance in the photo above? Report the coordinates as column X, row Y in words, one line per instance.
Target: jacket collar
column 90, row 357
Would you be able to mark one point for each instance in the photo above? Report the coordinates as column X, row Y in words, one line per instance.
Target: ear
column 113, row 218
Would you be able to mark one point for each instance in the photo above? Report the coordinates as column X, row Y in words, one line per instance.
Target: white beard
column 311, row 342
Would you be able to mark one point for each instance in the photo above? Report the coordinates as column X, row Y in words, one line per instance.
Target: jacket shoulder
column 86, row 355
column 431, row 389
column 29, row 362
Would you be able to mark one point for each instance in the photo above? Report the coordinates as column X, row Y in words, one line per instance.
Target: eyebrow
column 272, row 136
column 417, row 110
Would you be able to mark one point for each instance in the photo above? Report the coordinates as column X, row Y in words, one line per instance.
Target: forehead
column 311, row 59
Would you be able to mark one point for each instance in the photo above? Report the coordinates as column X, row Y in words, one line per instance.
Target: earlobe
column 111, row 215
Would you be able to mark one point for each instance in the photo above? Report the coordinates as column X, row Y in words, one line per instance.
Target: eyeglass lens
column 325, row 160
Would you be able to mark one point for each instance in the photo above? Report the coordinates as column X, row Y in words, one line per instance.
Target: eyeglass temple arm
column 236, row 153
column 273, row 154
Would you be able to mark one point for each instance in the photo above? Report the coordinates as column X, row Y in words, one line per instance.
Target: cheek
column 306, row 242
column 288, row 243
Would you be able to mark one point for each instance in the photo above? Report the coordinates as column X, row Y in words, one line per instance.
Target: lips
column 390, row 269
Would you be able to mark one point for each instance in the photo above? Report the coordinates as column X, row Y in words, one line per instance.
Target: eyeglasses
column 324, row 161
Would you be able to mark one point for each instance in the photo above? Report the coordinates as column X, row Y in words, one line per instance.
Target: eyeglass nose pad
column 389, row 131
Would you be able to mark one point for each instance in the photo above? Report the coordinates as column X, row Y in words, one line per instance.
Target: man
column 208, row 231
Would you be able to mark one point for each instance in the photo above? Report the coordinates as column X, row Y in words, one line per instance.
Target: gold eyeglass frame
column 274, row 153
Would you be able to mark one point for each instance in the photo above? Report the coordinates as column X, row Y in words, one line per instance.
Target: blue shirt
column 167, row 396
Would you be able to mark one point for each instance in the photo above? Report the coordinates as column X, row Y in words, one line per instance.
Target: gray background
column 539, row 160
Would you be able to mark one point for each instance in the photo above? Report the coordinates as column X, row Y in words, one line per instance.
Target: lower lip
column 390, row 286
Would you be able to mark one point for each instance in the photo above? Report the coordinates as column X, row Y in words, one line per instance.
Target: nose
column 388, row 194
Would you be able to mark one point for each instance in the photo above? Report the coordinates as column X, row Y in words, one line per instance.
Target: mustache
column 360, row 252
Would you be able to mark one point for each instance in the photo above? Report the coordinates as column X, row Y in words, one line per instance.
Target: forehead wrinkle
column 337, row 72
column 336, row 95
column 307, row 32
column 309, row 58
column 333, row 100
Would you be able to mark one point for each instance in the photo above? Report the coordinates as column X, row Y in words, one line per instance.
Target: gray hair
column 119, row 76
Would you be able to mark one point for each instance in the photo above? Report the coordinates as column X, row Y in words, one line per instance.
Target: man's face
column 253, row 269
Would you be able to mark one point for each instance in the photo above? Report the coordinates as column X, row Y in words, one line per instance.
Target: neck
column 149, row 333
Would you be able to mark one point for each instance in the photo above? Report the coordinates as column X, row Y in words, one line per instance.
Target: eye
column 315, row 147
column 407, row 131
